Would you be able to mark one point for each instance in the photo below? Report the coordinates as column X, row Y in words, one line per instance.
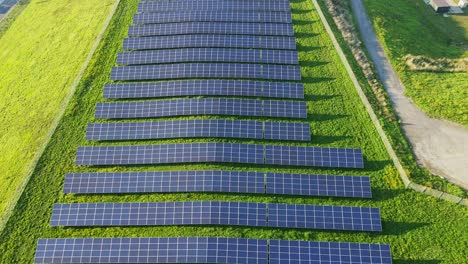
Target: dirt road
column 440, row 146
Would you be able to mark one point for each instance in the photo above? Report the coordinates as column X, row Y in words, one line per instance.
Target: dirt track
column 440, row 146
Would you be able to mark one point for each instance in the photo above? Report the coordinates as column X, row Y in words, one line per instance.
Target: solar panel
column 201, row 70
column 210, row 16
column 211, row 41
column 318, row 185
column 208, row 55
column 324, row 217
column 175, row 129
column 201, row 106
column 314, row 156
column 223, row 28
column 161, row 6
column 165, row 182
column 287, row 131
column 305, row 252
column 152, row 250
column 172, row 153
column 194, row 129
column 204, row 87
column 159, row 214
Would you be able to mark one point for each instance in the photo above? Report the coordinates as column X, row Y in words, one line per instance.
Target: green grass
column 41, row 52
column 411, row 27
column 416, row 226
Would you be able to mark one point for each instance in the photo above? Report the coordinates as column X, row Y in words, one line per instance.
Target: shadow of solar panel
column 212, row 41
column 158, row 214
column 226, row 28
column 208, row 55
column 204, row 87
column 202, row 106
column 212, row 70
column 314, row 156
column 213, row 5
column 318, row 185
column 165, row 182
column 287, row 131
column 210, row 16
column 152, row 250
column 302, row 252
column 172, row 153
column 175, row 129
column 324, row 217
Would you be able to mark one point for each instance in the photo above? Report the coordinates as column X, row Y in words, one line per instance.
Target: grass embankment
column 42, row 51
column 411, row 27
column 417, row 227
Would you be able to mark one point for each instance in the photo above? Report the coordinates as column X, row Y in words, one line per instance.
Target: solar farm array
column 189, row 58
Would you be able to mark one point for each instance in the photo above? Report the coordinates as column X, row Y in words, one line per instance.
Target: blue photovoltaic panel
column 306, row 252
column 172, row 153
column 213, row 5
column 202, row 106
column 151, row 250
column 201, row 70
column 210, row 41
column 324, row 217
column 314, row 156
column 224, row 28
column 204, row 87
column 158, row 214
column 175, row 129
column 210, row 16
column 165, row 182
column 287, row 131
column 318, row 185
column 208, row 55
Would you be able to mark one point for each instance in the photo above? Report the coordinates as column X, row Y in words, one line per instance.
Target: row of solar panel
column 202, row 106
column 210, row 16
column 218, row 181
column 204, row 87
column 214, row 5
column 223, row 28
column 199, row 128
column 214, row 41
column 208, row 55
column 217, row 213
column 220, row 152
column 206, row 250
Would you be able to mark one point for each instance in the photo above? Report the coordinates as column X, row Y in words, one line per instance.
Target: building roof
column 440, row 3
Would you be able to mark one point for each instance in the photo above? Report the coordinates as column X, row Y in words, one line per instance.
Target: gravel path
column 440, row 146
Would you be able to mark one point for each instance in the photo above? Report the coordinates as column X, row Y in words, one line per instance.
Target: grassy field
column 41, row 52
column 420, row 229
column 411, row 27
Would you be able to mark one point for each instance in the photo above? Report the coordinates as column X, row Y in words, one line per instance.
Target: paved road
column 440, row 146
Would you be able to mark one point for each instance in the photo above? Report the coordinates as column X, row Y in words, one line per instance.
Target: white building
column 463, row 3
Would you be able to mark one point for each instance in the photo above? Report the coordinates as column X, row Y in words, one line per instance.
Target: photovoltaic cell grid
column 217, row 213
column 306, row 252
column 151, row 250
column 166, row 213
column 223, row 28
column 208, row 55
column 214, row 5
column 314, row 156
column 202, row 106
column 218, row 181
column 318, row 185
column 197, row 128
column 324, row 217
column 201, row 70
column 176, row 153
column 165, row 182
column 210, row 16
column 213, row 41
column 204, row 87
